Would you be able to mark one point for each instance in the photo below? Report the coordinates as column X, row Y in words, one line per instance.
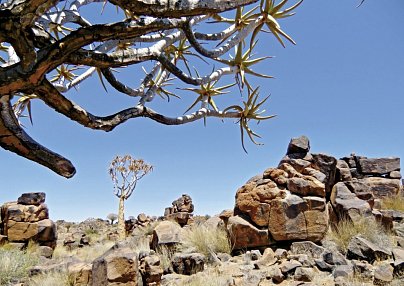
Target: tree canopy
column 48, row 47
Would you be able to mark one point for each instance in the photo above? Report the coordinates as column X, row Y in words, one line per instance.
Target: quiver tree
column 49, row 47
column 125, row 172
column 112, row 217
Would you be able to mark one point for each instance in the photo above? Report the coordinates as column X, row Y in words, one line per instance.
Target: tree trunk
column 121, row 218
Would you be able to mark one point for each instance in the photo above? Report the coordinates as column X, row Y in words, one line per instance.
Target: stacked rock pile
column 28, row 220
column 181, row 210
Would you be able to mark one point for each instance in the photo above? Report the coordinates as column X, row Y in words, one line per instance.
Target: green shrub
column 14, row 265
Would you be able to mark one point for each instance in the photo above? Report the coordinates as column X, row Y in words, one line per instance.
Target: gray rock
column 383, row 274
column 362, row 249
column 323, row 266
column 343, row 271
column 281, row 253
column 334, row 258
column 188, row 263
column 350, row 161
column 343, row 171
column 395, row 175
column 305, row 274
column 398, row 255
column 275, row 273
column 378, row 166
column 32, row 198
column 289, row 266
column 347, row 204
column 166, row 233
column 307, row 247
column 363, row 269
column 45, row 251
column 298, row 145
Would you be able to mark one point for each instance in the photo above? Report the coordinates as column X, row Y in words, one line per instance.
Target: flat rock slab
column 378, row 166
column 32, row 199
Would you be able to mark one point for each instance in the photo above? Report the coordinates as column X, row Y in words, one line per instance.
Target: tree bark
column 121, row 218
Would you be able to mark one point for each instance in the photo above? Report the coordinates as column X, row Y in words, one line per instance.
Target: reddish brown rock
column 26, row 213
column 118, row 266
column 306, row 186
column 296, row 218
column 244, row 235
column 253, row 200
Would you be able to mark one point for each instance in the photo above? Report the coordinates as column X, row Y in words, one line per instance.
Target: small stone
column 281, row 253
column 395, row 175
column 343, row 271
column 268, row 258
column 305, row 274
column 334, row 258
column 324, row 266
column 275, row 273
column 289, row 266
column 307, row 247
column 45, row 251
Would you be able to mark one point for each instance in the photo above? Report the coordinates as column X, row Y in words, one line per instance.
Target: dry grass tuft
column 393, row 203
column 166, row 254
column 14, row 265
column 86, row 254
column 51, row 279
column 209, row 277
column 368, row 228
column 205, row 240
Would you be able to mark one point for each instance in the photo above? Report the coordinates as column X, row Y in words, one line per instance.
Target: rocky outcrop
column 28, row 220
column 298, row 199
column 181, row 210
column 284, row 203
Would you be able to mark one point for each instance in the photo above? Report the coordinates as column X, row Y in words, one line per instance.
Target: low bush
column 14, row 265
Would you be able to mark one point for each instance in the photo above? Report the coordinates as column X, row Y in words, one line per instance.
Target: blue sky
column 342, row 85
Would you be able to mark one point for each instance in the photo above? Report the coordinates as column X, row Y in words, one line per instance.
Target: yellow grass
column 368, row 228
column 205, row 240
column 393, row 203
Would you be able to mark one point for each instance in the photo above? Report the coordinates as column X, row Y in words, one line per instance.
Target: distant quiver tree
column 49, row 47
column 112, row 217
column 125, row 172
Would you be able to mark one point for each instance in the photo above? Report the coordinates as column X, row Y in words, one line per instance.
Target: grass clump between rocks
column 51, row 279
column 205, row 240
column 393, row 203
column 15, row 265
column 342, row 233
